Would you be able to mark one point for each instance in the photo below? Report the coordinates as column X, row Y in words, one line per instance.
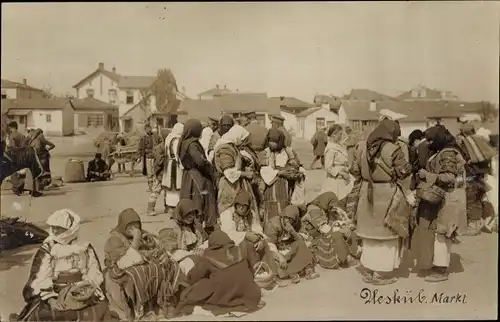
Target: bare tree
column 488, row 111
column 47, row 92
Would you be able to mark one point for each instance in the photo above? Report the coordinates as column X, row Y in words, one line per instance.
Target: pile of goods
column 15, row 233
column 74, row 171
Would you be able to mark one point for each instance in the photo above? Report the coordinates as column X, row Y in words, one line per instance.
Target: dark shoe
column 436, row 277
column 423, row 273
column 36, row 194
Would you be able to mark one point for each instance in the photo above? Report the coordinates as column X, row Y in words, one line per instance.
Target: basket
column 263, row 275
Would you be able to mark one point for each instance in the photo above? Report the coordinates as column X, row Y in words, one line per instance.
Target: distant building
column 311, row 120
column 290, row 107
column 213, row 92
column 361, row 94
column 101, row 84
column 53, row 116
column 15, row 90
column 91, row 113
column 421, row 92
column 362, row 116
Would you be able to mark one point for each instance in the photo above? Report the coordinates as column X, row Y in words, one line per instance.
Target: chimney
column 373, row 106
column 114, row 69
column 282, row 98
column 101, row 66
column 25, row 81
column 217, row 86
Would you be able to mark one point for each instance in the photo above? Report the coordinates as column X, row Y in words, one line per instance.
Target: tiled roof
column 10, row 84
column 229, row 103
column 136, row 82
column 115, row 77
column 414, row 110
column 245, row 102
column 309, row 111
column 90, row 103
column 215, row 91
column 368, row 95
column 35, row 104
column 430, row 93
column 291, row 104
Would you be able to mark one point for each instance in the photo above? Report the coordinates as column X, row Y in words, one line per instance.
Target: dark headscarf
column 441, row 138
column 127, row 216
column 242, row 198
column 386, row 131
column 415, row 135
column 184, row 207
column 277, row 136
column 467, row 129
column 222, row 251
column 225, row 124
column 191, row 133
column 324, row 200
column 292, row 212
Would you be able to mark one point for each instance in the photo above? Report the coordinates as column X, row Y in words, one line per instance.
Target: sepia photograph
column 252, row 161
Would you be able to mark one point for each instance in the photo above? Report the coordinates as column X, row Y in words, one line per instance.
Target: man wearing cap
column 258, row 132
column 277, row 122
column 97, row 170
column 146, row 145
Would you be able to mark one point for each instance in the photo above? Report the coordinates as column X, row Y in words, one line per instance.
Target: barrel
column 74, row 171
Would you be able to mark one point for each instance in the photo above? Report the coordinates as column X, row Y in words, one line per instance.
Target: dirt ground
column 338, row 294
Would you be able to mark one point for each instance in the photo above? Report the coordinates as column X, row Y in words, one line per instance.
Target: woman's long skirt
column 381, row 255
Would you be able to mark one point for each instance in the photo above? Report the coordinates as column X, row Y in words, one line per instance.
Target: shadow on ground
column 18, row 257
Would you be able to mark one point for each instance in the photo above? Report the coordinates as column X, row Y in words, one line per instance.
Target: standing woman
column 172, row 173
column 338, row 178
column 228, row 162
column 42, row 147
column 439, row 209
column 197, row 177
column 383, row 211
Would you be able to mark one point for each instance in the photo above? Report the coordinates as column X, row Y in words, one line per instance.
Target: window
column 90, row 92
column 320, row 122
column 130, row 97
column 4, row 96
column 159, row 122
column 261, row 118
column 48, row 118
column 23, row 119
column 415, row 93
column 96, row 120
column 112, row 96
column 329, row 123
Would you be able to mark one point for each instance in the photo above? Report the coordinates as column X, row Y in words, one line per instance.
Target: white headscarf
column 175, row 133
column 236, row 135
column 67, row 219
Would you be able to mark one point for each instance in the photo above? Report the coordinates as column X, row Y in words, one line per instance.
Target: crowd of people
column 235, row 192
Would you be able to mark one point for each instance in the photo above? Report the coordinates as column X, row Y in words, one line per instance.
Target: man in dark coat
column 146, row 145
column 17, row 141
column 319, row 141
column 98, row 170
column 278, row 122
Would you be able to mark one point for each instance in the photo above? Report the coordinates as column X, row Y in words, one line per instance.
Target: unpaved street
column 335, row 295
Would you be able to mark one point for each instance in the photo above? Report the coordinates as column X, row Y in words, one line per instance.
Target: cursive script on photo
column 398, row 296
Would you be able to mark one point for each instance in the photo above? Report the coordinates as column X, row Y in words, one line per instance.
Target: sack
column 432, row 194
column 75, row 171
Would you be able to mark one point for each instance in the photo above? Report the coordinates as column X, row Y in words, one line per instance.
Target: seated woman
column 63, row 265
column 222, row 281
column 129, row 264
column 187, row 226
column 98, row 170
column 330, row 237
column 289, row 247
column 243, row 226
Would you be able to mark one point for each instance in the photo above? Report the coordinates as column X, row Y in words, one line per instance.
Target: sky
column 285, row 49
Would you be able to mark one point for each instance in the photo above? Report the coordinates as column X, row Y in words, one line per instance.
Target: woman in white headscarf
column 172, row 173
column 228, row 161
column 61, row 267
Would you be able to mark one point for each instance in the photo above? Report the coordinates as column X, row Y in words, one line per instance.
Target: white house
column 311, row 120
column 101, row 84
column 214, row 92
column 54, row 116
